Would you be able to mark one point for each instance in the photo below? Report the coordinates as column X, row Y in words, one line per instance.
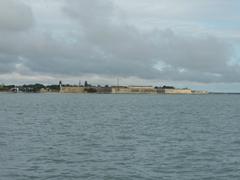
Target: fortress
column 87, row 88
column 128, row 90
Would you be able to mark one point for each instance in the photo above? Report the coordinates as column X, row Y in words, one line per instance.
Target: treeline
column 6, row 87
column 29, row 88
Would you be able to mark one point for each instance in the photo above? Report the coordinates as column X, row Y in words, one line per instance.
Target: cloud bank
column 114, row 38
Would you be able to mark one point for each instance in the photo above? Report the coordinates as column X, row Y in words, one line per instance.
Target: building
column 128, row 90
column 174, row 91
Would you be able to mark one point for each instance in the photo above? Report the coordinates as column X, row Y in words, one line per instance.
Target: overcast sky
column 186, row 43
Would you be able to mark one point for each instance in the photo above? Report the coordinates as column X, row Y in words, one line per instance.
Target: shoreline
column 210, row 93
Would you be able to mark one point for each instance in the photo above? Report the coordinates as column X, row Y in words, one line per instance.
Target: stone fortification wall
column 177, row 91
column 72, row 90
column 200, row 92
column 129, row 90
column 120, row 90
column 140, row 89
column 133, row 90
column 104, row 90
column 100, row 90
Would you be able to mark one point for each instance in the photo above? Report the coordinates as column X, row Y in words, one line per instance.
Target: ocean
column 119, row 137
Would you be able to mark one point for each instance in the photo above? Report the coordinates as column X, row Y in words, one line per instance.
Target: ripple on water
column 71, row 136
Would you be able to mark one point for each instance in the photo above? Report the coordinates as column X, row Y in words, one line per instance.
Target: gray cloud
column 102, row 42
column 202, row 58
column 15, row 16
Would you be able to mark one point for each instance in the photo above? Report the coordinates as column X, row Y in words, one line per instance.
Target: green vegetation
column 4, row 88
column 32, row 88
column 54, row 88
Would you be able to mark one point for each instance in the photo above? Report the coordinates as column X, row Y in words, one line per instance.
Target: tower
column 60, row 86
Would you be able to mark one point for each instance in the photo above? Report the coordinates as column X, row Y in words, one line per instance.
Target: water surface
column 74, row 136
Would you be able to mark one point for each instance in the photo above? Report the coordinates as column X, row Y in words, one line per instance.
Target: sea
column 119, row 137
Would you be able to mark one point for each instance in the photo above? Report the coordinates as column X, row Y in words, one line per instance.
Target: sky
column 184, row 43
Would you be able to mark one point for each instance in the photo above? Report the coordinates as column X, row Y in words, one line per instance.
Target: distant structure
column 88, row 88
column 128, row 90
column 118, row 84
column 133, row 90
column 60, row 86
column 15, row 90
column 173, row 90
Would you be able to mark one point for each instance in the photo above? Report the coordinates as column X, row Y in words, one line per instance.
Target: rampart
column 177, row 91
column 129, row 90
column 199, row 92
column 134, row 90
column 72, row 90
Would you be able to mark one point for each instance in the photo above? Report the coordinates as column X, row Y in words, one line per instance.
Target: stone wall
column 200, row 92
column 120, row 90
column 142, row 89
column 177, row 91
column 72, row 90
column 129, row 90
column 134, row 90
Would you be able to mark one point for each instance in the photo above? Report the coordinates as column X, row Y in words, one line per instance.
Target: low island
column 87, row 88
